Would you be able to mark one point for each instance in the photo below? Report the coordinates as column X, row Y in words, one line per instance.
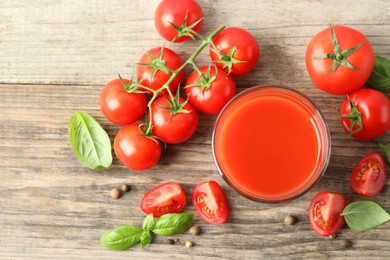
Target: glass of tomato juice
column 271, row 143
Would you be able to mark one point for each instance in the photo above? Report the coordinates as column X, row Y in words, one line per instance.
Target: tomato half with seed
column 170, row 12
column 155, row 68
column 339, row 60
column 369, row 175
column 210, row 202
column 324, row 213
column 135, row 150
column 211, row 93
column 120, row 106
column 235, row 50
column 365, row 114
column 164, row 198
column 174, row 120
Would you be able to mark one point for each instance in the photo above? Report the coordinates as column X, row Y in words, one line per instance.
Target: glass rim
column 323, row 137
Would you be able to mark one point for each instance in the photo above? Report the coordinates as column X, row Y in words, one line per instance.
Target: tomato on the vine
column 122, row 106
column 178, row 20
column 155, row 68
column 365, row 114
column 164, row 198
column 135, row 150
column 210, row 92
column 369, row 175
column 235, row 50
column 339, row 60
column 174, row 120
column 210, row 202
column 324, row 213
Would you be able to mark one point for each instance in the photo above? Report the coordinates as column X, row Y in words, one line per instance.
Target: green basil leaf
column 148, row 223
column 91, row 144
column 170, row 224
column 146, row 238
column 386, row 147
column 364, row 215
column 380, row 75
column 121, row 238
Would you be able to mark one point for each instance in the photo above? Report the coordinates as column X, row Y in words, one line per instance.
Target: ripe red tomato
column 369, row 115
column 164, row 198
column 210, row 202
column 174, row 121
column 120, row 106
column 208, row 97
column 134, row 150
column 339, row 63
column 324, row 213
column 369, row 175
column 240, row 51
column 170, row 12
column 155, row 68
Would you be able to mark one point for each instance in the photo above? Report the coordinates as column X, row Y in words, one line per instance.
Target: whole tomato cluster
column 340, row 60
column 154, row 91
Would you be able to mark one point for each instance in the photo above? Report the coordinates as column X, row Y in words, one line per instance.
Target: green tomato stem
column 206, row 41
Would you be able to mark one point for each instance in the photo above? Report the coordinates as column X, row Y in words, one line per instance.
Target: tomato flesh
column 369, row 175
column 324, row 213
column 164, row 198
column 210, row 202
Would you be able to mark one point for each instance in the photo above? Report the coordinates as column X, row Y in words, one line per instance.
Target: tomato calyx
column 175, row 106
column 186, row 30
column 227, row 59
column 339, row 56
column 205, row 80
column 133, row 86
column 356, row 118
column 146, row 131
column 157, row 63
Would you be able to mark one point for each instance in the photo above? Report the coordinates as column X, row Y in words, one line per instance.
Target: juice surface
column 267, row 146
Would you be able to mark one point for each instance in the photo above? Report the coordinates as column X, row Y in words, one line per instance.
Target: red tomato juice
column 271, row 144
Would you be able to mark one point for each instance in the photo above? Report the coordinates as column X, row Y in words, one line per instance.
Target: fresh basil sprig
column 386, row 148
column 90, row 143
column 364, row 215
column 380, row 75
column 125, row 237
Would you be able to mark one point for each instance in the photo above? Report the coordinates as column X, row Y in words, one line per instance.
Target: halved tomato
column 369, row 175
column 164, row 198
column 210, row 202
column 324, row 213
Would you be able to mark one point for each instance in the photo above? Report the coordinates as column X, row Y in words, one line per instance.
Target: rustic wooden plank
column 53, row 206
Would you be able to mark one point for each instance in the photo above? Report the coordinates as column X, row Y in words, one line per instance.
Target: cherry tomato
column 164, row 198
column 170, row 12
column 210, row 202
column 324, row 213
column 120, row 106
column 365, row 114
column 174, row 121
column 155, row 68
column 369, row 175
column 339, row 63
column 237, row 51
column 134, row 150
column 210, row 94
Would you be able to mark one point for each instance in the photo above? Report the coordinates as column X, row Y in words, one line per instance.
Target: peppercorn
column 177, row 240
column 195, row 230
column 116, row 193
column 290, row 220
column 126, row 188
column 189, row 244
column 345, row 243
column 332, row 236
column 170, row 241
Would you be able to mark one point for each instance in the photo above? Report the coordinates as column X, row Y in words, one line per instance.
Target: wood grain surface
column 55, row 56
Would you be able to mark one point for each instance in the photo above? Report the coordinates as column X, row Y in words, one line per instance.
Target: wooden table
column 55, row 56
